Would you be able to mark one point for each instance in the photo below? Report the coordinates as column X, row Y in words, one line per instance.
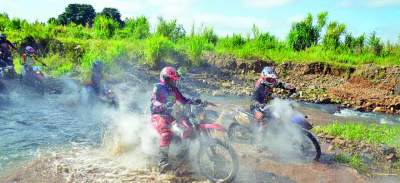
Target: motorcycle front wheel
column 217, row 161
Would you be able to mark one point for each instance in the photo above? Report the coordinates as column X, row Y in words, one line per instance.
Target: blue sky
column 275, row 16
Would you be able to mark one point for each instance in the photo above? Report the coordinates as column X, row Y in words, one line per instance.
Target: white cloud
column 268, row 3
column 382, row 3
column 346, row 3
column 368, row 3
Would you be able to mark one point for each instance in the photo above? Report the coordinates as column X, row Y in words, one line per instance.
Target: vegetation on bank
column 375, row 134
column 78, row 36
column 358, row 134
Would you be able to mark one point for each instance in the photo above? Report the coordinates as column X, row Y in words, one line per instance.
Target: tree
column 359, row 43
column 112, row 13
column 350, row 42
column 332, row 36
column 52, row 20
column 170, row 29
column 304, row 34
column 375, row 44
column 80, row 14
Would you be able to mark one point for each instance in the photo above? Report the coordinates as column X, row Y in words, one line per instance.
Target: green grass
column 353, row 161
column 375, row 134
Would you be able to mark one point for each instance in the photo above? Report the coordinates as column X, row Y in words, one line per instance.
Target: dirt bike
column 215, row 159
column 6, row 71
column 34, row 77
column 244, row 129
column 105, row 96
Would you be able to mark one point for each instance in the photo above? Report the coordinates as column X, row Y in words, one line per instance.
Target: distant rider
column 164, row 96
column 97, row 76
column 29, row 58
column 5, row 49
column 263, row 92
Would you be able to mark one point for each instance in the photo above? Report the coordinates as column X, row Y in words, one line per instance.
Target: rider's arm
column 23, row 59
column 180, row 98
column 10, row 44
column 257, row 95
column 286, row 86
column 157, row 100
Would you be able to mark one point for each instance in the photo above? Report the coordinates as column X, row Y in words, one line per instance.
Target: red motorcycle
column 215, row 159
column 34, row 77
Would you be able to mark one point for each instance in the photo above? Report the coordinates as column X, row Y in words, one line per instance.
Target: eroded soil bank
column 365, row 88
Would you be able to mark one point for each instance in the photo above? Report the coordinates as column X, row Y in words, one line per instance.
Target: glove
column 292, row 90
column 260, row 105
column 196, row 101
column 168, row 105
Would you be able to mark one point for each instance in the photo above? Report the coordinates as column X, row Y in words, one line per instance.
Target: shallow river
column 31, row 124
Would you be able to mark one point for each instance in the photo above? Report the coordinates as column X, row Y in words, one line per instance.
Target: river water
column 31, row 124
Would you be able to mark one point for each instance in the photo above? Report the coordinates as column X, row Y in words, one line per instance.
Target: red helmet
column 169, row 72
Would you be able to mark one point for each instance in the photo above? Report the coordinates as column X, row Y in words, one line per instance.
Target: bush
column 170, row 29
column 156, row 48
column 104, row 27
column 138, row 28
column 194, row 47
column 235, row 41
column 375, row 44
column 209, row 34
column 333, row 35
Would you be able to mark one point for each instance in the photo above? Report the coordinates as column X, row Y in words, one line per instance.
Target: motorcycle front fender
column 302, row 122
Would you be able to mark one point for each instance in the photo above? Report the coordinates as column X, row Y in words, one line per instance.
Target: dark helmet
column 97, row 66
column 29, row 50
column 3, row 37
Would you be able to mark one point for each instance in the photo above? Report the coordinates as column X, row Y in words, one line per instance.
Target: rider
column 5, row 49
column 164, row 96
column 29, row 58
column 97, row 76
column 263, row 92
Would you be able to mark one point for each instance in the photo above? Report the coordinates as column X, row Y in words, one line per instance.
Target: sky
column 234, row 16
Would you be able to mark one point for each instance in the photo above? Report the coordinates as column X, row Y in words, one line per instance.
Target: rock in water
column 378, row 109
column 217, row 93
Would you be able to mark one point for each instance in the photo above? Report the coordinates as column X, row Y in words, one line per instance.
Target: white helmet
column 269, row 76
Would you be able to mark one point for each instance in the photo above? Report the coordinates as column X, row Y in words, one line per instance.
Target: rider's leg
column 260, row 121
column 162, row 124
column 188, row 129
column 187, row 133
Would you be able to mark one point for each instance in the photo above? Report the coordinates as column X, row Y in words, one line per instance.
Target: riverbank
column 368, row 88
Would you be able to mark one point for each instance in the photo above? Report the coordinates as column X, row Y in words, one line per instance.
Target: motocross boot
column 163, row 164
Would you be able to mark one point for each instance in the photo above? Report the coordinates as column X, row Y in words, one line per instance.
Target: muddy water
column 53, row 138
